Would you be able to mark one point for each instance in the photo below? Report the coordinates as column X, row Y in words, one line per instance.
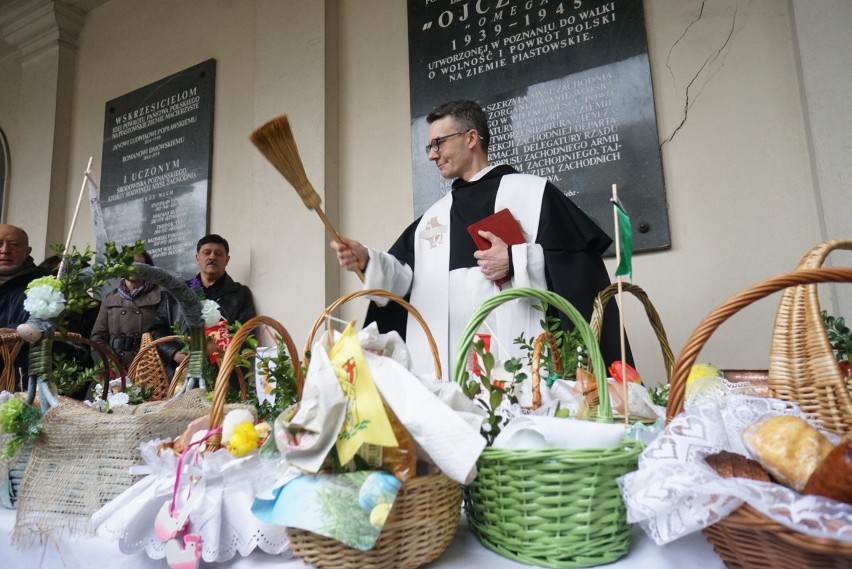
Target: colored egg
column 377, row 488
column 379, row 515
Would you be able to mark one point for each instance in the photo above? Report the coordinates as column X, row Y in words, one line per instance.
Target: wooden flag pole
column 74, row 219
column 620, row 305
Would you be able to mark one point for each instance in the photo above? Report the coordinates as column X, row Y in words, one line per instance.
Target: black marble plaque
column 567, row 88
column 155, row 174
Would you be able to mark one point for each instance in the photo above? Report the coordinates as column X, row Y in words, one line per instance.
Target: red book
column 501, row 224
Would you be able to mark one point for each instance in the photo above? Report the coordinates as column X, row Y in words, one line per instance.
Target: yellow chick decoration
column 243, row 440
column 700, row 370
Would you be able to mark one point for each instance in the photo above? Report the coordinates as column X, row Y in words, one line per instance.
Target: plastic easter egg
column 378, row 488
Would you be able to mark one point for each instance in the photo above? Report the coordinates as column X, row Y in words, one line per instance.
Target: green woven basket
column 550, row 507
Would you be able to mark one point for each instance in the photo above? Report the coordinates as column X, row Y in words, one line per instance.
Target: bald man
column 17, row 269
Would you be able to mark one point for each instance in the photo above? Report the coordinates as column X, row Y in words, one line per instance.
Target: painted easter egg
column 379, row 515
column 377, row 488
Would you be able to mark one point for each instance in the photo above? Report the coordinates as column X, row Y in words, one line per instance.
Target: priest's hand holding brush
column 351, row 255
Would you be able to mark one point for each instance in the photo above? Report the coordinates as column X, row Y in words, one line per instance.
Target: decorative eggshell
column 167, row 526
column 378, row 488
column 29, row 333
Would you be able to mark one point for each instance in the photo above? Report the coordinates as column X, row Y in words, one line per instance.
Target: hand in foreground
column 351, row 255
column 493, row 262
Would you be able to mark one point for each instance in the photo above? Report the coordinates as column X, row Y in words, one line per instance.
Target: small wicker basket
column 747, row 539
column 550, row 507
column 425, row 514
column 802, row 366
column 228, row 362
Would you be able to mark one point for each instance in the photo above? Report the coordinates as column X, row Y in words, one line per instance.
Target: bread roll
column 833, row 477
column 733, row 465
column 788, row 447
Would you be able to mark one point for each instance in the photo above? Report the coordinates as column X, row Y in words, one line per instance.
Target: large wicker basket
column 747, row 539
column 551, row 507
column 425, row 514
column 802, row 366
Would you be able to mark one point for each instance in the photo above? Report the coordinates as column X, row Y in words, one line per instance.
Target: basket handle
column 217, row 407
column 721, row 313
column 814, row 258
column 608, row 293
column 604, row 413
column 108, row 356
column 384, row 294
column 9, row 353
column 535, row 364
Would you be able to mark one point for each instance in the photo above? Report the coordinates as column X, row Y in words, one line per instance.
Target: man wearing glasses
column 435, row 263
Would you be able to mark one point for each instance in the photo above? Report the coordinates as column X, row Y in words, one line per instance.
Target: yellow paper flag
column 366, row 420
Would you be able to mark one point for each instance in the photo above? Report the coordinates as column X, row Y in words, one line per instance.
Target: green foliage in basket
column 839, row 336
column 496, row 391
column 572, row 352
column 69, row 376
column 277, row 368
column 20, row 420
column 659, row 394
column 80, row 279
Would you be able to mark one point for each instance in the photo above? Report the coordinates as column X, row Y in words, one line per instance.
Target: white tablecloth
column 84, row 552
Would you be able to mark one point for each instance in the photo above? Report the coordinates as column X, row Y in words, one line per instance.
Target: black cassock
column 572, row 244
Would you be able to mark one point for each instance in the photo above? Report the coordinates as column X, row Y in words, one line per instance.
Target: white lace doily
column 222, row 494
column 674, row 492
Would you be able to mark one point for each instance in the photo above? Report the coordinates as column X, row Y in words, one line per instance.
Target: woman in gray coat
column 126, row 313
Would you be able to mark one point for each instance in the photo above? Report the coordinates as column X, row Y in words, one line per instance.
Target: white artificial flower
column 210, row 313
column 44, row 302
column 120, row 399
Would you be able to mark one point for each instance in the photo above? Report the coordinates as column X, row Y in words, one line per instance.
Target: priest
column 436, row 265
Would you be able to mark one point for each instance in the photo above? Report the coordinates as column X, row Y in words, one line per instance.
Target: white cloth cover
column 219, row 505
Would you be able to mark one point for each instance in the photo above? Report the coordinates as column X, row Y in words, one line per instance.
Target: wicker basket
column 802, row 366
column 147, row 370
column 551, row 507
column 228, row 362
column 11, row 346
column 424, row 516
column 746, row 539
column 608, row 293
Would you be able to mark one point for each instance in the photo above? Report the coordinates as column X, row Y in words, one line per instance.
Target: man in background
column 211, row 283
column 17, row 269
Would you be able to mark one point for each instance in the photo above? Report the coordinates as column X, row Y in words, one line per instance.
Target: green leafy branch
column 495, row 391
column 80, row 279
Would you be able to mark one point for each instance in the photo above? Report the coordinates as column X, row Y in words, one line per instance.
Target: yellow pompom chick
column 379, row 515
column 243, row 440
column 700, row 370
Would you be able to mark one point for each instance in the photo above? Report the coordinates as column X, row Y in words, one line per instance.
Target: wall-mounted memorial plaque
column 155, row 173
column 567, row 88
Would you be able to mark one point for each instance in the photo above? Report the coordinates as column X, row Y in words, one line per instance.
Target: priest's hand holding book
column 494, row 261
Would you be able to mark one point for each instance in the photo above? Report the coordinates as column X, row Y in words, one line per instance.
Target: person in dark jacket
column 17, row 269
column 126, row 313
column 212, row 283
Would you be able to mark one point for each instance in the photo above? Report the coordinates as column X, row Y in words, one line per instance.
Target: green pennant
column 625, row 266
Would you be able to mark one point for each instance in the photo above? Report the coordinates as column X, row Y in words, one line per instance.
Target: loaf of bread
column 733, row 465
column 833, row 477
column 788, row 447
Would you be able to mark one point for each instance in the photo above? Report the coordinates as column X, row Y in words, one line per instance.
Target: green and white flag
column 625, row 238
